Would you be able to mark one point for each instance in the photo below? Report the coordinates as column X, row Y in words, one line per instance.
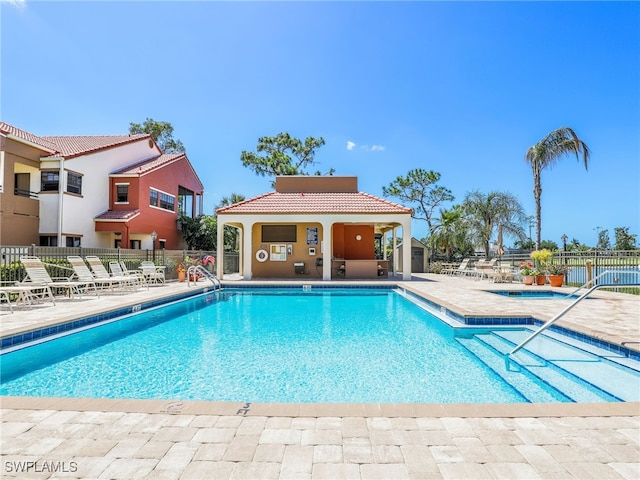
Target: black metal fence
column 582, row 265
column 11, row 269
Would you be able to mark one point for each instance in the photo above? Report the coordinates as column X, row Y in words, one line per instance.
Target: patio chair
column 37, row 276
column 102, row 275
column 22, row 293
column 456, row 271
column 152, row 273
column 83, row 273
column 119, row 269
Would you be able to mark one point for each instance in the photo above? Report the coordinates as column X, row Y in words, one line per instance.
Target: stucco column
column 247, row 245
column 240, row 234
column 406, row 250
column 394, row 245
column 384, row 245
column 326, row 249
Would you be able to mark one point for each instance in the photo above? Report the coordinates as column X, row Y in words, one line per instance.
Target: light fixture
column 154, row 235
column 358, row 237
column 117, row 234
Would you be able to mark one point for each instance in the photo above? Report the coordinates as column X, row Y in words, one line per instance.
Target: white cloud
column 15, row 3
column 367, row 148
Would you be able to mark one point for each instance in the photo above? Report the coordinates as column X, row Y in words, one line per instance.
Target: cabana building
column 315, row 227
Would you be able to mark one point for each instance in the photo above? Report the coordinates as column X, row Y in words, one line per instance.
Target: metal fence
column 583, row 264
column 11, row 269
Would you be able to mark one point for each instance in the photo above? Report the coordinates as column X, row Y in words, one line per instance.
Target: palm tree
column 450, row 234
column 545, row 153
column 483, row 212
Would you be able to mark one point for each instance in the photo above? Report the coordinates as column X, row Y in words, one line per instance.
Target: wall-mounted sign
column 312, row 235
column 278, row 253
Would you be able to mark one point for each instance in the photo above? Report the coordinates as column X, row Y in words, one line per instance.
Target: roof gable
column 147, row 166
column 314, row 203
column 74, row 146
column 46, row 145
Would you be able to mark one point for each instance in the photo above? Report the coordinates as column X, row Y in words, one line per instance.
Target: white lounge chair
column 102, row 275
column 37, row 275
column 23, row 293
column 153, row 274
column 457, row 271
column 83, row 273
column 119, row 270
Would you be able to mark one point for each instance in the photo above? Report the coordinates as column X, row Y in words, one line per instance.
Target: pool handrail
column 571, row 305
column 198, row 270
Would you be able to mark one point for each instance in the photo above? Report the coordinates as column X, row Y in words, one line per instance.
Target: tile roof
column 73, row 146
column 8, row 129
column 277, row 202
column 124, row 215
column 148, row 165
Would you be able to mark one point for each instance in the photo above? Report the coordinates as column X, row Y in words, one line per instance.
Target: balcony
column 25, row 193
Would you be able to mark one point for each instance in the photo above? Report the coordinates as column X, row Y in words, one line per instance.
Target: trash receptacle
column 298, row 267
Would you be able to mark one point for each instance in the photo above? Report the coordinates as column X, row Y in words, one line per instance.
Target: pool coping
column 365, row 410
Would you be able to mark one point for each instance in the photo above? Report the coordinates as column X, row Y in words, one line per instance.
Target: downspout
column 60, row 200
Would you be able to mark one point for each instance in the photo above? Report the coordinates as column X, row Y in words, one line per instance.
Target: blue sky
column 460, row 88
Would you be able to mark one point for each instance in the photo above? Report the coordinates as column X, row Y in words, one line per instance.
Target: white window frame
column 120, row 184
column 159, row 200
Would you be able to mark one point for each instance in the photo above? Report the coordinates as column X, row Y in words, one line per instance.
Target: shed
column 419, row 256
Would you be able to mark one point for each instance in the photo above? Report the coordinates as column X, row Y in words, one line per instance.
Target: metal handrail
column 199, row 269
column 573, row 304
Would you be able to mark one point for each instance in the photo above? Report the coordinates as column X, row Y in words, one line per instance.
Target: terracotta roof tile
column 73, row 146
column 124, row 215
column 277, row 202
column 8, row 129
column 148, row 165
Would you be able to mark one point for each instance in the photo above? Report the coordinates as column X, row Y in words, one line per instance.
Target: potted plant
column 542, row 258
column 528, row 272
column 182, row 272
column 556, row 273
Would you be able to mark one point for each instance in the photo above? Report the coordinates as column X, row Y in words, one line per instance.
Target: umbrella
column 499, row 246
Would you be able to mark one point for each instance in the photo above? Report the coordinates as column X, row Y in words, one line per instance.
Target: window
column 135, row 244
column 74, row 183
column 50, row 181
column 122, row 193
column 73, row 241
column 185, row 202
column 23, row 185
column 162, row 200
column 48, row 241
column 279, row 233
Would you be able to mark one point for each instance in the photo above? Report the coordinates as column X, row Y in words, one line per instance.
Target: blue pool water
column 285, row 346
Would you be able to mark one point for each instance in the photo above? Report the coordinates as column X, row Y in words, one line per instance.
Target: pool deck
column 131, row 439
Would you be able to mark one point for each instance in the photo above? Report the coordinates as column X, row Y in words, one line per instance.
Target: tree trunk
column 537, row 193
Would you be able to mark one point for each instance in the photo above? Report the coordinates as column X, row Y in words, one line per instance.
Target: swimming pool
column 327, row 345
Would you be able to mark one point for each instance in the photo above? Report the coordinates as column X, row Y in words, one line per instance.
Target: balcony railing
column 25, row 193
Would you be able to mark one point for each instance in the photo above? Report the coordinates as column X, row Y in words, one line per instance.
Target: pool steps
column 528, row 387
column 566, row 361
